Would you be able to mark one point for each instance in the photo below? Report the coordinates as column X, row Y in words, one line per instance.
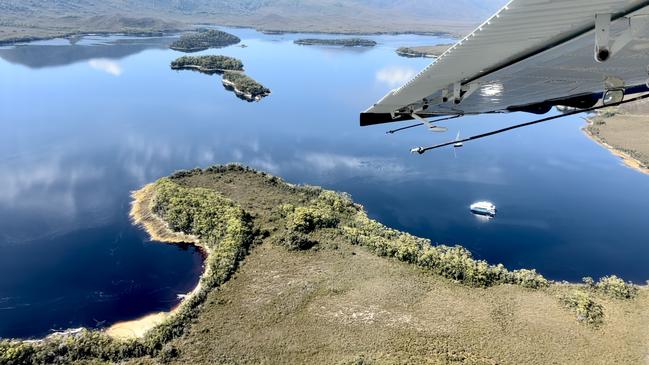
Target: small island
column 204, row 39
column 345, row 42
column 423, row 51
column 207, row 64
column 244, row 86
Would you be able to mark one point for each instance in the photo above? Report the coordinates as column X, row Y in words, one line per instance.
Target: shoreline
column 8, row 42
column 627, row 160
column 202, row 69
column 34, row 38
column 141, row 215
column 348, row 273
column 229, row 85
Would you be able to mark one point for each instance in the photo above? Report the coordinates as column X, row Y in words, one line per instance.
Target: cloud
column 326, row 163
column 105, row 65
column 395, row 76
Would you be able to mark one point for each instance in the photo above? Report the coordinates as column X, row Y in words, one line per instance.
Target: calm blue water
column 82, row 126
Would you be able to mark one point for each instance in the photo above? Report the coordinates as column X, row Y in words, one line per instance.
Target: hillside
column 32, row 18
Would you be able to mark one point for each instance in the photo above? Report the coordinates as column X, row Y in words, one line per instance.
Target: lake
column 83, row 125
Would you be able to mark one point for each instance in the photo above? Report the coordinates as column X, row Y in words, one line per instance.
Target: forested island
column 244, row 86
column 204, row 39
column 207, row 64
column 312, row 279
column 423, row 51
column 345, row 42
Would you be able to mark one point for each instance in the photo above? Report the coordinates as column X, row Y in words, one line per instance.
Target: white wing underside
column 531, row 51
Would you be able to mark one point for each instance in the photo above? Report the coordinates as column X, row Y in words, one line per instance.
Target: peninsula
column 244, row 86
column 623, row 130
column 423, row 51
column 317, row 281
column 204, row 39
column 207, row 64
column 345, row 42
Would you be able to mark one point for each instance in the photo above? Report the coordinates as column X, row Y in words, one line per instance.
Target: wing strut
column 430, row 125
column 422, row 150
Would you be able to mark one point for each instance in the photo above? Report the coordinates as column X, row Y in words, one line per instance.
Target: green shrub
column 209, row 62
column 455, row 263
column 224, row 228
column 585, row 307
column 245, row 83
column 615, row 287
column 308, row 219
column 588, row 281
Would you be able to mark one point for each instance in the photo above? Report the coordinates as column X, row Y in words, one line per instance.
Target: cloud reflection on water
column 395, row 76
column 107, row 66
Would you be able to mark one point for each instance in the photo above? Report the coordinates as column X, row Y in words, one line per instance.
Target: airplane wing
column 530, row 56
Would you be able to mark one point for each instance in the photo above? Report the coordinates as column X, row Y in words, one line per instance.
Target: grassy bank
column 423, row 51
column 625, row 132
column 323, row 283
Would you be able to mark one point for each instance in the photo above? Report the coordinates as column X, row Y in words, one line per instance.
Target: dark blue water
column 81, row 126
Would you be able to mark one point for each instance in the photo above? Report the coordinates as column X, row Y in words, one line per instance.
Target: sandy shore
column 142, row 215
column 627, row 160
column 624, row 132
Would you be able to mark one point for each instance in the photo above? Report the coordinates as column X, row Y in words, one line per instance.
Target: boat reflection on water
column 483, row 210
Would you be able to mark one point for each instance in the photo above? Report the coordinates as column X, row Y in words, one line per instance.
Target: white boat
column 483, row 208
column 458, row 144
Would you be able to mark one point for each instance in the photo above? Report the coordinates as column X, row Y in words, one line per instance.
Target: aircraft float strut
column 422, row 150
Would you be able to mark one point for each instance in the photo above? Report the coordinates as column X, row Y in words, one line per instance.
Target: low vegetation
column 584, row 306
column 455, row 263
column 624, row 131
column 423, row 51
column 224, row 230
column 345, row 42
column 612, row 287
column 323, row 278
column 204, row 39
column 244, row 86
column 208, row 64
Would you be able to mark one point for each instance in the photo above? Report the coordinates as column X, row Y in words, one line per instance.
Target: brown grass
column 338, row 303
column 625, row 133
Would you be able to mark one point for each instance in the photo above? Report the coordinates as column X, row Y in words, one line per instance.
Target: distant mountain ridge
column 434, row 10
column 340, row 16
